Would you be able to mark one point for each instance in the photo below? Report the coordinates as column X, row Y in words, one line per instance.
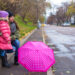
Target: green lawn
column 24, row 28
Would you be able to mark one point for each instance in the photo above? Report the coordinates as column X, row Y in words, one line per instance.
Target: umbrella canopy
column 36, row 56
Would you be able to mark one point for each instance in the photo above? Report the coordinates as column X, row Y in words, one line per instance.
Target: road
column 62, row 39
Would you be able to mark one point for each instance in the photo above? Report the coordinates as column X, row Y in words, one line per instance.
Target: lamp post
column 72, row 2
column 37, row 10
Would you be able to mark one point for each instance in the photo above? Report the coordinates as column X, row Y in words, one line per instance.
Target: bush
column 24, row 28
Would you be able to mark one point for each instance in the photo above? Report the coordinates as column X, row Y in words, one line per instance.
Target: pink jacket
column 5, row 37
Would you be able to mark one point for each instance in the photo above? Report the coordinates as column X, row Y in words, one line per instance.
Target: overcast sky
column 58, row 2
column 55, row 4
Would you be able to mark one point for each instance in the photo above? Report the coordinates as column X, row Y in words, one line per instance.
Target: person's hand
column 13, row 38
column 0, row 34
column 9, row 42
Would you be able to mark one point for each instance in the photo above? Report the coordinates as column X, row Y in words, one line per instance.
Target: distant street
column 64, row 40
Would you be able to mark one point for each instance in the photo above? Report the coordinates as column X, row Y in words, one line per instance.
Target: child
column 5, row 40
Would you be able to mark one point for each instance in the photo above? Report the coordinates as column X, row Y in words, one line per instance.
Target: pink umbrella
column 36, row 56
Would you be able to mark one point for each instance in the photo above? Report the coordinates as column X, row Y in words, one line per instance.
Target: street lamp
column 37, row 9
column 72, row 2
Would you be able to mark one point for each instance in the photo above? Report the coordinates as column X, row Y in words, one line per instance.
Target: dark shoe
column 4, row 62
column 16, row 61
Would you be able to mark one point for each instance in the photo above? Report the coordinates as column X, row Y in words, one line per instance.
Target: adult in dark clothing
column 14, row 36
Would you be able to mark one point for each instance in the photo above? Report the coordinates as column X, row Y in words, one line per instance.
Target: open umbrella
column 36, row 56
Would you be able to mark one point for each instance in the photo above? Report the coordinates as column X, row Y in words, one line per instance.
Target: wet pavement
column 19, row 70
column 62, row 40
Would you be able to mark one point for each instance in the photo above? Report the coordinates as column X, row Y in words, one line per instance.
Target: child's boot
column 4, row 62
column 16, row 60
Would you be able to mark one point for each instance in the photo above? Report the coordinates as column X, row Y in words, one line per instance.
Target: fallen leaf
column 68, row 72
column 11, row 73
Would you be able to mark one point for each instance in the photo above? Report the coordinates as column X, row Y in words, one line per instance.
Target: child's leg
column 2, row 52
column 16, row 45
column 4, row 58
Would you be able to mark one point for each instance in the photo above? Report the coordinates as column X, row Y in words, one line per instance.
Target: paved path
column 62, row 39
column 19, row 70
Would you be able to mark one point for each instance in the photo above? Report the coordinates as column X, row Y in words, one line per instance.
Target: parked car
column 66, row 24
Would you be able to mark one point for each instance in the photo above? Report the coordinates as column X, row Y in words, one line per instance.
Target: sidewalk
column 19, row 70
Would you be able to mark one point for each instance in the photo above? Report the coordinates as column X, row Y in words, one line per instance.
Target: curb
column 22, row 41
column 26, row 34
column 49, row 72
